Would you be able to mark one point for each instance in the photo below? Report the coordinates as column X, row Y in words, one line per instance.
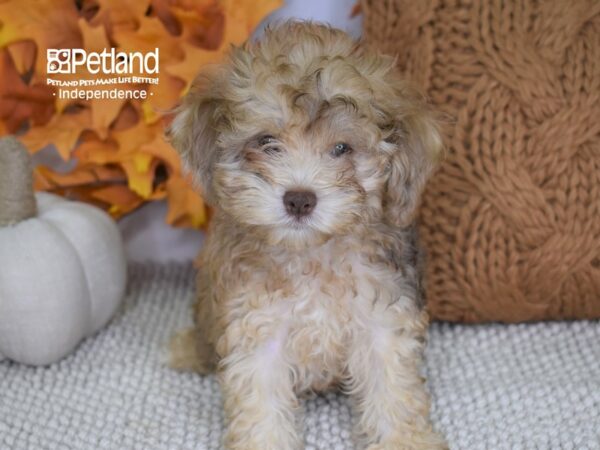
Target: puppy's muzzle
column 299, row 203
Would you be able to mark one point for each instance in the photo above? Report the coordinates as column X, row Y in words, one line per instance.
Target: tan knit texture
column 511, row 222
column 17, row 200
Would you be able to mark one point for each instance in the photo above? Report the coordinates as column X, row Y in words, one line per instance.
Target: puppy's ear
column 415, row 146
column 195, row 129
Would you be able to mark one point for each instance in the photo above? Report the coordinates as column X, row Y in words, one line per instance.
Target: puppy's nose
column 299, row 203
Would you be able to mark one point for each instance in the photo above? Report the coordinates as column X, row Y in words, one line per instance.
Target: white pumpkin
column 62, row 277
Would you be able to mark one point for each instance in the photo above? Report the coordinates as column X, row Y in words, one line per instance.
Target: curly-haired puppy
column 314, row 153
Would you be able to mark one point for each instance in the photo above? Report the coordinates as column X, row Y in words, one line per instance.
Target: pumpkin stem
column 17, row 201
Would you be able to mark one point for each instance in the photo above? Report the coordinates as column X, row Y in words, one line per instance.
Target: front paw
column 271, row 440
column 412, row 440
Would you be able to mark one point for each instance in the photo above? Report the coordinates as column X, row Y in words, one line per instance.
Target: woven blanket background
column 494, row 386
column 512, row 220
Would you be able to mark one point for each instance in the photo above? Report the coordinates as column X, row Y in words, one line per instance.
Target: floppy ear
column 194, row 132
column 415, row 145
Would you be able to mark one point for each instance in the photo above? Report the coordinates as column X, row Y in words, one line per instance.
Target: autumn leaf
column 50, row 24
column 136, row 164
column 87, row 175
column 187, row 71
column 119, row 14
column 248, row 14
column 19, row 101
column 23, row 55
column 186, row 208
column 149, row 36
column 160, row 149
column 121, row 199
column 242, row 19
column 104, row 111
column 202, row 26
column 94, row 150
column 128, row 116
column 63, row 131
column 162, row 97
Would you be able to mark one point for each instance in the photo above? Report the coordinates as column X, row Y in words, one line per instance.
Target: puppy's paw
column 236, row 442
column 412, row 440
column 188, row 351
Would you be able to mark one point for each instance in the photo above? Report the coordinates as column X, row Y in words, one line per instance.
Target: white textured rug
column 494, row 387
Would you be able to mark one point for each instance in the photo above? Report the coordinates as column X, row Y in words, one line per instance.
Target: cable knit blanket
column 494, row 386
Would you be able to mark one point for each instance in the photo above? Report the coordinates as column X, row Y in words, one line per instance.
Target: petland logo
column 109, row 61
column 128, row 73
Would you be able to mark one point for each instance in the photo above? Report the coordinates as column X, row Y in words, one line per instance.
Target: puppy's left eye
column 340, row 149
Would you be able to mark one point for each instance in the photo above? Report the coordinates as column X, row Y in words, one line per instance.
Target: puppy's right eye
column 268, row 144
column 266, row 140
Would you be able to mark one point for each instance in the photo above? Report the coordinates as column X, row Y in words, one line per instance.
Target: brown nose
column 299, row 203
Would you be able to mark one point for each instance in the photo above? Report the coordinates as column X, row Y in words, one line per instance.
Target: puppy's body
column 310, row 303
column 298, row 295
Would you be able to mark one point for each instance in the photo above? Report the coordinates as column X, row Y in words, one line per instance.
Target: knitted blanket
column 494, row 386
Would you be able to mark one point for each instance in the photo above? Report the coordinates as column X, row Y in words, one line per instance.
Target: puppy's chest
column 328, row 294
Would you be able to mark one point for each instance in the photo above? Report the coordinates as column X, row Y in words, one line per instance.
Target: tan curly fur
column 288, row 305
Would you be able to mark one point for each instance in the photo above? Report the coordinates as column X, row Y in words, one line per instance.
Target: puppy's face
column 305, row 135
column 299, row 173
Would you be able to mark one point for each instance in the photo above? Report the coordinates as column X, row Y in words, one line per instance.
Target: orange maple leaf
column 120, row 198
column 186, row 207
column 49, row 24
column 118, row 14
column 23, row 55
column 162, row 97
column 19, row 101
column 63, row 130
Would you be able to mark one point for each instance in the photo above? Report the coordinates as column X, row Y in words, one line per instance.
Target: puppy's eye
column 268, row 144
column 340, row 149
column 266, row 140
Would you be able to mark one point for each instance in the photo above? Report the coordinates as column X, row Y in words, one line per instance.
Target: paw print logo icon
column 59, row 60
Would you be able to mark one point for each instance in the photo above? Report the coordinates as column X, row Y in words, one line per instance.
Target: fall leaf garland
column 120, row 157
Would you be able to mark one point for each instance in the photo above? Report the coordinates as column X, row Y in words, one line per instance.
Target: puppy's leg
column 191, row 349
column 260, row 404
column 388, row 391
column 188, row 350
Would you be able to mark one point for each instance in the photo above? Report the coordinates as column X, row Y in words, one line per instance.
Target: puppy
column 314, row 153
